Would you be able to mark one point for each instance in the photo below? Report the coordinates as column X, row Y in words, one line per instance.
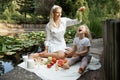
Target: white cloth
column 55, row 35
column 70, row 74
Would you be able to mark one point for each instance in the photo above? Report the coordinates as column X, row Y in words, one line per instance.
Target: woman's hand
column 79, row 13
column 42, row 54
column 82, row 9
column 34, row 56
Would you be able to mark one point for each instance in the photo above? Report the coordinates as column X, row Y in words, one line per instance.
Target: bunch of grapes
column 79, row 12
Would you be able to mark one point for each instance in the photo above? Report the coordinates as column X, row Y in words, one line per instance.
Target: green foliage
column 7, row 14
column 25, row 40
column 95, row 18
column 97, row 10
column 10, row 11
column 26, row 6
column 96, row 28
column 71, row 10
column 70, row 34
column 68, row 8
column 42, row 7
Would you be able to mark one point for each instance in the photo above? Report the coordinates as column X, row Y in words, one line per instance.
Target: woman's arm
column 71, row 22
column 48, row 38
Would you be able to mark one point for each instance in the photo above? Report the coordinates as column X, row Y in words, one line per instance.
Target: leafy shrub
column 96, row 28
column 69, row 35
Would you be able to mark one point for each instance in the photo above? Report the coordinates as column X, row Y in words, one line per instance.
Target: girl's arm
column 70, row 52
column 83, row 52
column 74, row 49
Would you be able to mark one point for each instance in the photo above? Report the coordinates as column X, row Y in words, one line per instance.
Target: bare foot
column 65, row 66
column 81, row 70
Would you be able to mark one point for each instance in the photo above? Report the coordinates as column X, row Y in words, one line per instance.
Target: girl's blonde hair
column 87, row 34
column 53, row 9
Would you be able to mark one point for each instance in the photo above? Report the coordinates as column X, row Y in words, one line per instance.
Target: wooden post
column 111, row 35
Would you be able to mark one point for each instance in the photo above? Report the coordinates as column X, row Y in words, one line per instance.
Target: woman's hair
column 53, row 9
column 87, row 34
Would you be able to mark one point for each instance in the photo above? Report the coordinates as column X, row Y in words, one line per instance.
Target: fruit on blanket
column 49, row 58
column 54, row 59
column 49, row 65
column 60, row 62
column 52, row 63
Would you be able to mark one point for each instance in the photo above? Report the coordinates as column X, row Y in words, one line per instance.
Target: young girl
column 80, row 51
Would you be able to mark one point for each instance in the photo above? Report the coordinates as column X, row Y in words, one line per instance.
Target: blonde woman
column 55, row 44
column 80, row 50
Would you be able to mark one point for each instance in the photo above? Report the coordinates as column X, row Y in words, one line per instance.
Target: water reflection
column 8, row 63
column 5, row 67
column 1, row 68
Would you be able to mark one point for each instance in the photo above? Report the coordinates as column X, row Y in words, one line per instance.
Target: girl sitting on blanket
column 80, row 50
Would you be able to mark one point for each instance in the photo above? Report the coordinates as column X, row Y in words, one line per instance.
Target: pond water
column 5, row 67
column 8, row 63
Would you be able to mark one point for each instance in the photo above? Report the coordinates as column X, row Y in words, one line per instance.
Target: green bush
column 70, row 34
column 96, row 28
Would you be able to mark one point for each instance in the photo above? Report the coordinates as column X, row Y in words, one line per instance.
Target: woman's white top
column 55, row 35
column 81, row 43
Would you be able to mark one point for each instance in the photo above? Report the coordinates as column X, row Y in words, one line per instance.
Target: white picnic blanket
column 70, row 74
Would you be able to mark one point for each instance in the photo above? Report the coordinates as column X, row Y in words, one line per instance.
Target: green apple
column 50, row 58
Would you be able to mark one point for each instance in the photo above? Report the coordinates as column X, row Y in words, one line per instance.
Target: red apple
column 54, row 59
column 52, row 63
column 49, row 65
column 60, row 62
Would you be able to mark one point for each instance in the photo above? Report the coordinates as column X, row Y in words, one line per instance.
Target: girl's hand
column 68, row 52
column 76, row 54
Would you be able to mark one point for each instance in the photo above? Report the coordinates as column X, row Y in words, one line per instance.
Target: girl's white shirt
column 55, row 35
column 81, row 43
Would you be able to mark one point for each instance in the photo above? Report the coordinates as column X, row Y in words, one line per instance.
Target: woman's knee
column 60, row 54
